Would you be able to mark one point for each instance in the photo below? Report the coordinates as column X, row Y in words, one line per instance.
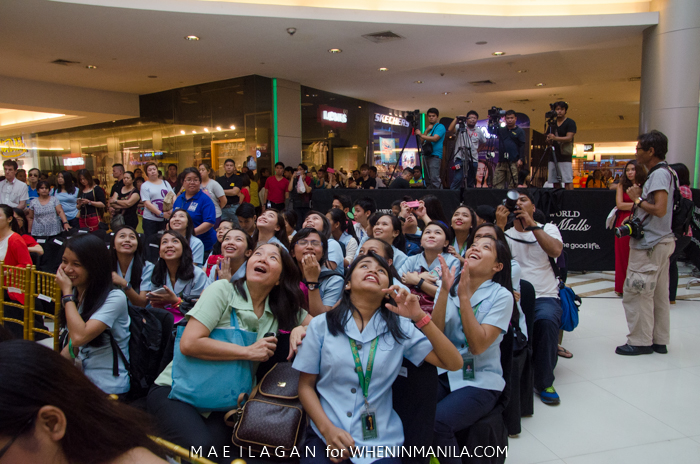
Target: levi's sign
column 392, row 120
column 335, row 117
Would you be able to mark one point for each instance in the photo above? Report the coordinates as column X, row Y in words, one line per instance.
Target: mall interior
column 85, row 84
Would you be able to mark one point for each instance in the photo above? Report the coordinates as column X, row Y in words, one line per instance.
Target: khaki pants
column 645, row 296
column 502, row 177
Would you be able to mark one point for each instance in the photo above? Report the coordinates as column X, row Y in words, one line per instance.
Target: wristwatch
column 638, row 201
column 66, row 299
column 312, row 286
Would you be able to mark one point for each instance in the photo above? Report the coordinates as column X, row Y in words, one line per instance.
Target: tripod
column 550, row 150
column 463, row 148
column 400, row 156
column 495, row 130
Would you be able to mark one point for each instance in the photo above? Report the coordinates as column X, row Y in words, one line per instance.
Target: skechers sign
column 392, row 120
column 332, row 116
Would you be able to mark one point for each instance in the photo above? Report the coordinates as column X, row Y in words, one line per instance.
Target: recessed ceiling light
column 482, row 42
column 541, row 84
column 191, row 37
column 218, row 128
column 359, row 107
column 417, row 82
column 182, row 132
column 498, row 53
column 90, row 66
column 467, row 101
column 335, row 50
column 233, row 127
column 445, row 93
column 152, row 77
column 521, row 71
column 383, row 69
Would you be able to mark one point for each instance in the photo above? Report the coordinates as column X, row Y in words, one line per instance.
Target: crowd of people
column 354, row 297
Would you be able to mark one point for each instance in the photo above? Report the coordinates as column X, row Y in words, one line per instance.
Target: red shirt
column 17, row 255
column 276, row 189
column 246, row 195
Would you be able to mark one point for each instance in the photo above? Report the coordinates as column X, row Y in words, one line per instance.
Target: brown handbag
column 272, row 417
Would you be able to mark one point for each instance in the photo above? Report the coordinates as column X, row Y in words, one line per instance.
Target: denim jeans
column 545, row 340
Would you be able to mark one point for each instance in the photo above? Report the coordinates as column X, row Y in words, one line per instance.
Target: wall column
column 289, row 122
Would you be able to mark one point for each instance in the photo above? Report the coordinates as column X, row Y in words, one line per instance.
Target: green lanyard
column 366, row 377
column 461, row 250
column 476, row 310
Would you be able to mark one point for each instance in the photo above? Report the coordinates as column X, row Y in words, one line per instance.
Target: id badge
column 468, row 368
column 369, row 425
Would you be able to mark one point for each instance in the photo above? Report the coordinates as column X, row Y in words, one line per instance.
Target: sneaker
column 549, row 396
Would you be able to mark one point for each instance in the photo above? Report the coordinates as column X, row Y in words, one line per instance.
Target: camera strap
column 552, row 263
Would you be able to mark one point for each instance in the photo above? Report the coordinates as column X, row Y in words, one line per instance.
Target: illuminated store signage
column 13, row 148
column 73, row 162
column 330, row 116
column 392, row 120
column 334, row 117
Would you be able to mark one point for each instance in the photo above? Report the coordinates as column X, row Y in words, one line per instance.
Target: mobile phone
column 159, row 291
column 413, row 204
column 331, row 170
column 269, row 334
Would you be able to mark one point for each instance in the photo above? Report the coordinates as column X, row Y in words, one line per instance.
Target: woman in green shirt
column 267, row 299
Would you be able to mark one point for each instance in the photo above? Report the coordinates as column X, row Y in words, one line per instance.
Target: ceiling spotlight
column 291, row 30
column 541, row 84
column 233, row 127
column 445, row 93
column 90, row 66
column 335, row 50
column 482, row 42
column 498, row 53
column 218, row 128
column 383, row 69
column 417, row 82
column 192, row 38
column 359, row 107
column 206, row 130
column 182, row 132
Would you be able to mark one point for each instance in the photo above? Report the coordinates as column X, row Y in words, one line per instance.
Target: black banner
column 579, row 214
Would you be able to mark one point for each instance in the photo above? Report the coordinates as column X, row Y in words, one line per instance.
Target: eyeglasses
column 313, row 243
column 24, row 428
column 192, row 180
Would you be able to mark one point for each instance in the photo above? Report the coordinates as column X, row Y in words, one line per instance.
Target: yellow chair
column 43, row 286
column 16, row 279
column 181, row 453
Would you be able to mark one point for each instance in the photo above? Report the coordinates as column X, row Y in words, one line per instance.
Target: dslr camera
column 633, row 228
column 511, row 201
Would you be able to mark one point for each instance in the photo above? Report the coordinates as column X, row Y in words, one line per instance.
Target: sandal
column 564, row 353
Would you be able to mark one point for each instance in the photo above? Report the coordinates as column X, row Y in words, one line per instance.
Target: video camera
column 495, row 115
column 551, row 115
column 413, row 117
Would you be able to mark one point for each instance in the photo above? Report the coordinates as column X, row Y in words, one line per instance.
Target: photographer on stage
column 466, row 148
column 510, row 141
column 645, row 294
column 563, row 140
column 435, row 137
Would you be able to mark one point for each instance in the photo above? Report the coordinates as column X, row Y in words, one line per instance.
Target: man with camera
column 532, row 245
column 562, row 138
column 645, row 294
column 432, row 148
column 466, row 149
column 511, row 139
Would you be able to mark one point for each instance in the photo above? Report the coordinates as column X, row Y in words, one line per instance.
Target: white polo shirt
column 11, row 193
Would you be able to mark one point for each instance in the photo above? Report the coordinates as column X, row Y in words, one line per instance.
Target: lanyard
column 461, row 250
column 476, row 310
column 367, row 376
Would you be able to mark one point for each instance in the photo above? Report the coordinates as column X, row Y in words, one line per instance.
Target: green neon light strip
column 697, row 155
column 275, row 134
column 422, row 129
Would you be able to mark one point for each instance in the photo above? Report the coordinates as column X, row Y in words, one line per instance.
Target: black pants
column 181, row 424
column 681, row 244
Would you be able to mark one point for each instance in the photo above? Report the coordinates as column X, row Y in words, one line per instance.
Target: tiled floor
column 616, row 409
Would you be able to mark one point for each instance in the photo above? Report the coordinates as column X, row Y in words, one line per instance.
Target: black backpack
column 682, row 209
column 151, row 330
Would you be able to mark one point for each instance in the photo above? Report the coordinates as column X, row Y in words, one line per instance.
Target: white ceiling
column 589, row 67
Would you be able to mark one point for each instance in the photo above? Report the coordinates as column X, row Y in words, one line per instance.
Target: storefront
column 187, row 126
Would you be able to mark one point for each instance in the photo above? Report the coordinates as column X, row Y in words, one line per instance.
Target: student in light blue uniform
column 387, row 227
column 175, row 272
column 423, row 271
column 236, row 248
column 128, row 264
column 343, row 231
column 271, row 228
column 386, row 251
column 91, row 307
column 474, row 309
column 318, row 221
column 363, row 341
column 181, row 221
column 461, row 227
column 310, row 250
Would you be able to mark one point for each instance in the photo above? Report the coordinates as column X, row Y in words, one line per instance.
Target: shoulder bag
column 273, row 416
column 213, row 385
column 427, row 147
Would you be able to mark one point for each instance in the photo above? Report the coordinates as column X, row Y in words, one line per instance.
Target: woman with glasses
column 199, row 206
column 213, row 189
column 310, row 250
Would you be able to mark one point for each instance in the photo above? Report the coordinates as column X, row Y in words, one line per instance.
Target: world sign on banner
column 387, row 146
